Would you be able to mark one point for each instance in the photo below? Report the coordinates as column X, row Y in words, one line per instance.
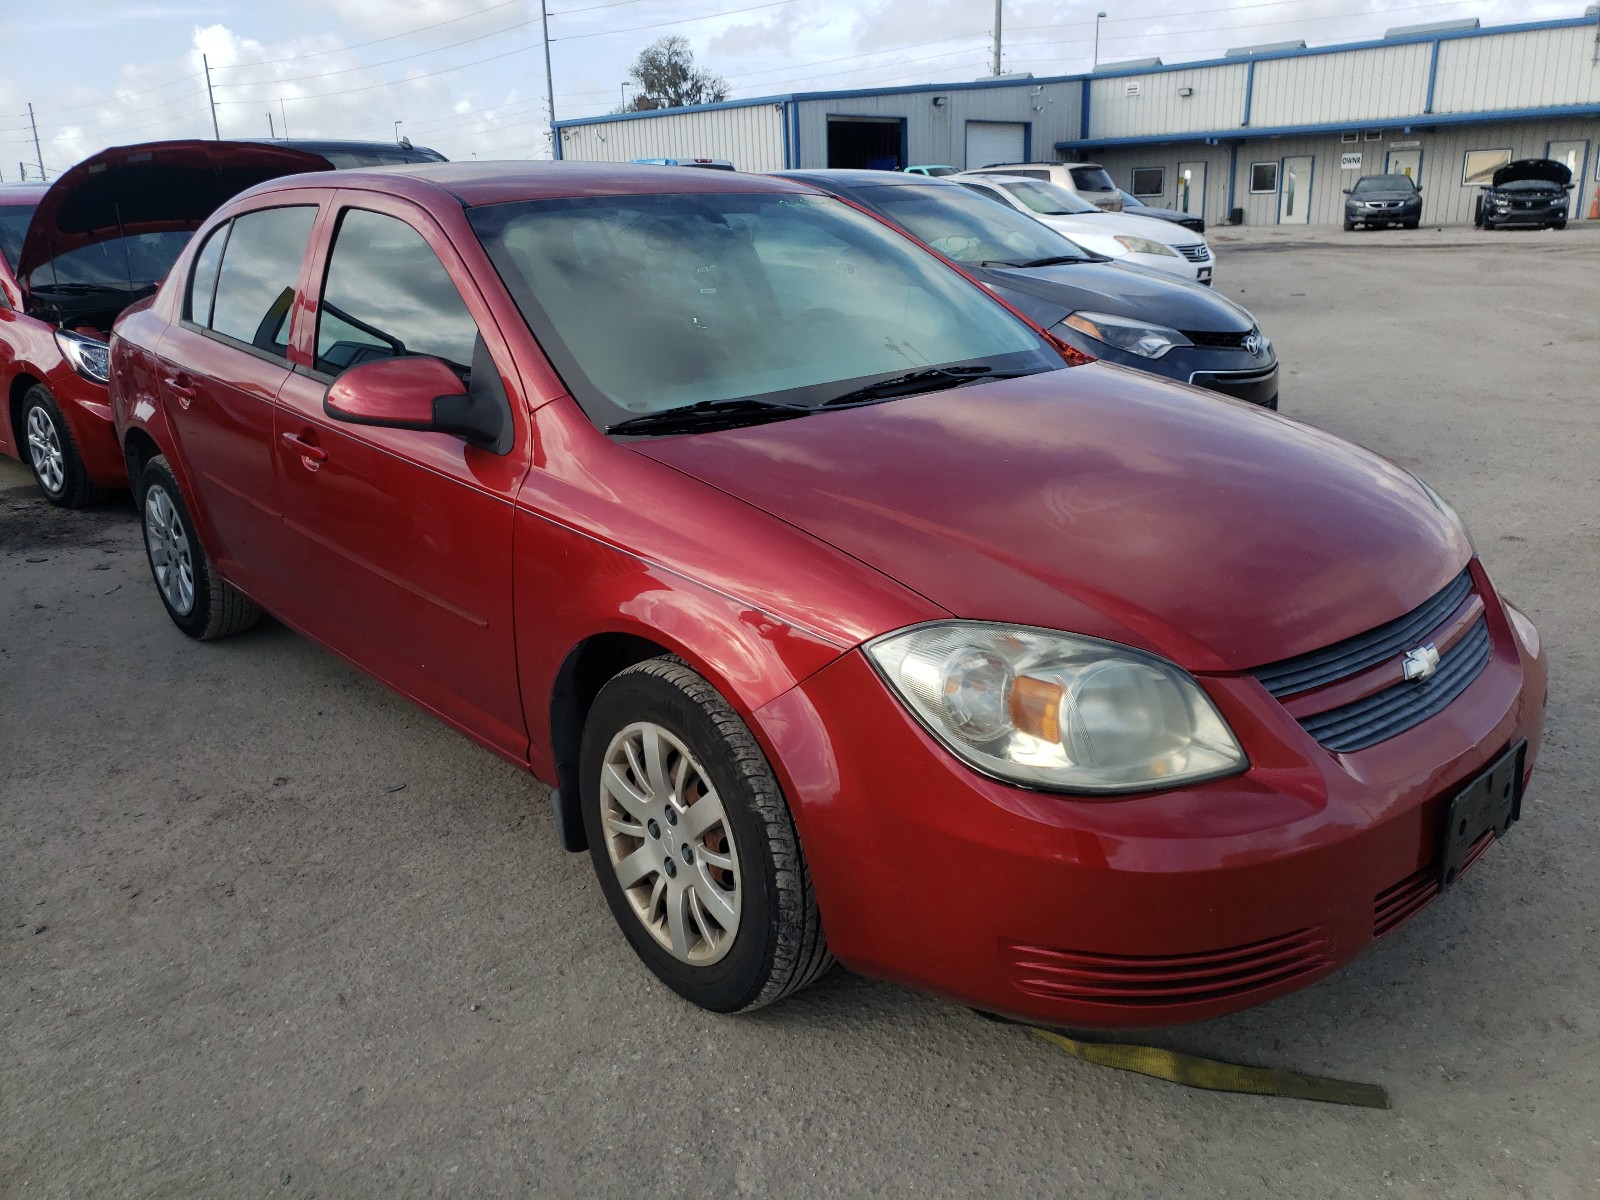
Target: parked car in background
column 934, row 172
column 77, row 253
column 1138, row 241
column 344, row 153
column 710, row 164
column 1088, row 181
column 840, row 601
column 1136, row 207
column 1127, row 315
column 1377, row 200
column 1529, row 191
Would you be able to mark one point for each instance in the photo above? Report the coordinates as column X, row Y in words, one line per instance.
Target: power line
column 388, row 83
column 573, row 37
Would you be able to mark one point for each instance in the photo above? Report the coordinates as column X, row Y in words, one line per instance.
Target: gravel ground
column 268, row 930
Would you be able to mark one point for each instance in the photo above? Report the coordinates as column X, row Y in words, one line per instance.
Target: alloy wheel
column 668, row 840
column 170, row 556
column 44, row 450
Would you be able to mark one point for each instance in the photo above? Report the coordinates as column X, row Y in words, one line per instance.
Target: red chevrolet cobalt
column 846, row 617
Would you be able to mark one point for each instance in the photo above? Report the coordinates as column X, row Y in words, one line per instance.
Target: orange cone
column 1594, row 209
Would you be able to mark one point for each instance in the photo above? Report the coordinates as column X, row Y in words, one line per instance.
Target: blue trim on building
column 1084, row 91
column 1433, row 74
column 1249, row 93
column 1424, row 121
column 1233, row 175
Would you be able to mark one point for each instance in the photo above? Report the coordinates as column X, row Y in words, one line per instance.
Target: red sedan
column 846, row 618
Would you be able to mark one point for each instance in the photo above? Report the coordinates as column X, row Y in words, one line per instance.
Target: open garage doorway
column 876, row 143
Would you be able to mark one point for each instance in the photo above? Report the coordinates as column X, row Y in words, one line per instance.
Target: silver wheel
column 44, row 449
column 668, row 840
column 171, row 558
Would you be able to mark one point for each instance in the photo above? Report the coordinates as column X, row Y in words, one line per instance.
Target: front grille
column 1380, row 716
column 1397, row 904
column 1134, row 981
column 1195, row 252
column 1342, row 659
column 1216, row 341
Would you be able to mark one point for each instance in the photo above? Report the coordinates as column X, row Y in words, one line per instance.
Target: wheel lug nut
column 671, row 868
column 672, row 816
column 653, row 828
column 688, row 854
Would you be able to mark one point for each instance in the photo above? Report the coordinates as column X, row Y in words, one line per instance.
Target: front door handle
column 311, row 455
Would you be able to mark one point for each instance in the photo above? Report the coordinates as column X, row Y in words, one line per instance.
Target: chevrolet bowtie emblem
column 1422, row 662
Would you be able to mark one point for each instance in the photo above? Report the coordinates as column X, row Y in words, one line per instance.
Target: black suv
column 1383, row 200
column 1530, row 191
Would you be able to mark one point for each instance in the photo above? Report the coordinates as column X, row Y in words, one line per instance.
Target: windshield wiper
column 710, row 414
column 929, row 379
column 1054, row 260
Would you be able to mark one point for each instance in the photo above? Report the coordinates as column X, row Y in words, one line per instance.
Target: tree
column 667, row 78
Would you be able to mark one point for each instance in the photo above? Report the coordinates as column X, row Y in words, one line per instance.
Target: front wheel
column 57, row 466
column 1349, row 225
column 693, row 843
column 199, row 601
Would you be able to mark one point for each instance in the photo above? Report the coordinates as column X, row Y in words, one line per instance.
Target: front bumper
column 1360, row 214
column 1537, row 212
column 1175, row 265
column 1143, row 911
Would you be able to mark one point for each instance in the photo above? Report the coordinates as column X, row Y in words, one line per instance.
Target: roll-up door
column 996, row 142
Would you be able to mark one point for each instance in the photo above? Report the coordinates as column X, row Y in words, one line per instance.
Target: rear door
column 401, row 540
column 219, row 371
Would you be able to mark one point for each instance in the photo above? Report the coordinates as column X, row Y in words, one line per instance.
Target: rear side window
column 260, row 266
column 1092, row 179
column 203, row 279
column 387, row 295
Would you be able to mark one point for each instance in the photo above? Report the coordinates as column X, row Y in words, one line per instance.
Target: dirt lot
column 269, row 930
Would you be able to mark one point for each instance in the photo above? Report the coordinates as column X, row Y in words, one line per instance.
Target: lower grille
column 1195, row 252
column 1380, row 716
column 1397, row 904
column 1134, row 981
column 1217, row 341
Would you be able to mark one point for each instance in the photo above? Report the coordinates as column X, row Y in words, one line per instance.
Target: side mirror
column 422, row 394
column 1568, row 186
column 1347, row 191
column 1418, row 186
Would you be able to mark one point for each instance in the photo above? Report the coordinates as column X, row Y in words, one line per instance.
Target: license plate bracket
column 1490, row 803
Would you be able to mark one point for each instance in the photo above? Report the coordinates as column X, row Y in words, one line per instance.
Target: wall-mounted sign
column 1412, row 145
column 1350, row 160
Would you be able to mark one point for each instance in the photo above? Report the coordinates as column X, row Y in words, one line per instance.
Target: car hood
column 1546, row 169
column 1110, row 224
column 1047, row 294
column 155, row 187
column 1097, row 500
column 1389, row 194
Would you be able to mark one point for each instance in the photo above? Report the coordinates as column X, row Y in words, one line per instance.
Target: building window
column 1374, row 135
column 1149, row 181
column 1263, row 177
column 1479, row 166
column 1349, row 137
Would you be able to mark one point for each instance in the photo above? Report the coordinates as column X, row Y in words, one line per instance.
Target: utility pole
column 549, row 79
column 38, row 153
column 998, row 18
column 211, row 96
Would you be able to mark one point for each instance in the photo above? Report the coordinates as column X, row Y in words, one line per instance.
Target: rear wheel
column 199, row 601
column 57, row 467
column 693, row 843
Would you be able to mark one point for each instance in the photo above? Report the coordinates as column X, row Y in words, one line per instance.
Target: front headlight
column 1444, row 506
column 1136, row 337
column 1056, row 711
column 88, row 357
column 1139, row 245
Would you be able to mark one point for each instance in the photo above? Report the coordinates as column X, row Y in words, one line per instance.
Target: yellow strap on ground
column 1213, row 1076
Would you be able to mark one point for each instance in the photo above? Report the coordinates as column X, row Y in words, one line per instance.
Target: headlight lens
column 1057, row 711
column 89, row 357
column 1136, row 337
column 1445, row 507
column 1139, row 245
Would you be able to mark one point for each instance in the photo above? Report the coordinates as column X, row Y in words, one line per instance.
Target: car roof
column 22, row 193
column 473, row 184
column 996, row 166
column 350, row 146
column 845, row 178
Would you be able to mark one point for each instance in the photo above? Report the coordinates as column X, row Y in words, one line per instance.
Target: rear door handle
column 311, row 455
column 181, row 386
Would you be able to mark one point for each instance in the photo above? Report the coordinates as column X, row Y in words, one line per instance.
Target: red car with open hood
column 846, row 618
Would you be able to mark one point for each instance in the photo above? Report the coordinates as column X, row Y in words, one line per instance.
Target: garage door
column 996, row 142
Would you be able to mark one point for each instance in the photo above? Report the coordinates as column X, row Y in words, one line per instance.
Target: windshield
column 1092, row 179
column 118, row 264
column 1129, row 200
column 14, row 220
column 1384, row 183
column 970, row 228
column 648, row 304
column 1047, row 199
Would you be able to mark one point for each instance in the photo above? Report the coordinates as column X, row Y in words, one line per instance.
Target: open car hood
column 153, row 187
column 1547, row 169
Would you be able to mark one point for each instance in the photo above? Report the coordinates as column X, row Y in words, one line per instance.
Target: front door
column 1576, row 156
column 1404, row 162
column 403, row 537
column 1191, row 189
column 1294, row 191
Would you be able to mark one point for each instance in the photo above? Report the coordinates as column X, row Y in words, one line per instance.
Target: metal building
column 1272, row 134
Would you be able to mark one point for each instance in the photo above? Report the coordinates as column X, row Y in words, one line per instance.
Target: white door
column 996, row 142
column 1576, row 156
column 1404, row 162
column 1294, row 191
column 1191, row 190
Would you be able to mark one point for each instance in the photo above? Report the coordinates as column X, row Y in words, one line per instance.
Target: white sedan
column 1141, row 241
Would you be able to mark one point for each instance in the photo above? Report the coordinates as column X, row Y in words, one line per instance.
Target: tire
column 1560, row 223
column 743, row 858
column 1349, row 225
column 199, row 601
column 47, row 447
column 1409, row 224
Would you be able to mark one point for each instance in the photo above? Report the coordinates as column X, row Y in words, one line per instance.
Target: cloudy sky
column 467, row 76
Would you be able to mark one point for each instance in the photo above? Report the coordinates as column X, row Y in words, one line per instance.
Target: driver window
column 387, row 295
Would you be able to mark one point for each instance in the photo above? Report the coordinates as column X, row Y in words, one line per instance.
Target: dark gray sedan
column 1118, row 314
column 1383, row 200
